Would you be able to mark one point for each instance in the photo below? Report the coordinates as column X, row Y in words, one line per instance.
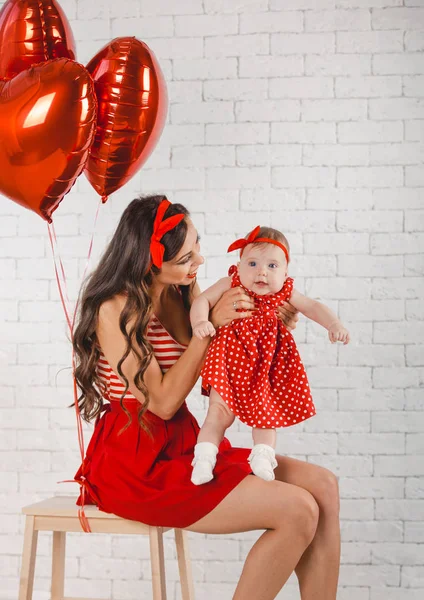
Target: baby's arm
column 199, row 312
column 322, row 315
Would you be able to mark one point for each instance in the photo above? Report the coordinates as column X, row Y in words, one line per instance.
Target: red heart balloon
column 32, row 31
column 132, row 106
column 47, row 124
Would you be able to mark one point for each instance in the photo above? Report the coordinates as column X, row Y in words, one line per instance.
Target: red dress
column 148, row 479
column 254, row 365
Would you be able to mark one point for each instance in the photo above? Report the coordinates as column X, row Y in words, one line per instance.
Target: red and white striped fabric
column 167, row 351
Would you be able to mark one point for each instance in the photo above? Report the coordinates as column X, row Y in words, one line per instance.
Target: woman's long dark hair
column 124, row 269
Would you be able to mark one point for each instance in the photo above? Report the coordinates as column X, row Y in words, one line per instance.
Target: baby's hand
column 203, row 329
column 338, row 333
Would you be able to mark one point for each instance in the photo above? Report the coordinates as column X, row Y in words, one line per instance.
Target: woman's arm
column 167, row 391
column 322, row 315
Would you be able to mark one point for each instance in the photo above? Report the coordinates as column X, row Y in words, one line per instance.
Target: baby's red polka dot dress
column 254, row 365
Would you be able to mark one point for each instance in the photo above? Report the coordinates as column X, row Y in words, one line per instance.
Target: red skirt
column 147, row 479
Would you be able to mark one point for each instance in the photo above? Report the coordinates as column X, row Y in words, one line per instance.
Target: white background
column 303, row 114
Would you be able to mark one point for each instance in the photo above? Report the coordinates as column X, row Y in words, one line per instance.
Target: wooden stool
column 60, row 514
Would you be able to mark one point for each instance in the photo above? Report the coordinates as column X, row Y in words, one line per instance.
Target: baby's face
column 263, row 268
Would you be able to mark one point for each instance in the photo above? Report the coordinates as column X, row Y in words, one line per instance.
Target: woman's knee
column 306, row 515
column 301, row 512
column 326, row 492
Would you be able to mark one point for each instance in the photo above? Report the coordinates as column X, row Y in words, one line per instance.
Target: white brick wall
column 308, row 114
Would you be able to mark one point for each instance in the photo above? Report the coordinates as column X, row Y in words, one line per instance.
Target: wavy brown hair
column 124, row 269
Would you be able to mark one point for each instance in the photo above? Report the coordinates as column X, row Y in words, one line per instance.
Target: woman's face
column 182, row 269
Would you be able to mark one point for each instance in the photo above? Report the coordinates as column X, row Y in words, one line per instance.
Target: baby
column 253, row 369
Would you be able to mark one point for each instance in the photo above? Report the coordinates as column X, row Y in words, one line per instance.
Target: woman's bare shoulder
column 110, row 310
column 108, row 332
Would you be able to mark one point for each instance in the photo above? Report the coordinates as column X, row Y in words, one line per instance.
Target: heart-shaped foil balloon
column 132, row 106
column 31, row 32
column 47, row 125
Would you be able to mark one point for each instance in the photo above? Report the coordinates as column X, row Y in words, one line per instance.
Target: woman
column 134, row 348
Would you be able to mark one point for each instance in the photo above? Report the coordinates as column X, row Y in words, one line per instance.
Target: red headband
column 253, row 239
column 157, row 250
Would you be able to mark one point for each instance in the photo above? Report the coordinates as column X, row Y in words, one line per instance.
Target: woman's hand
column 289, row 315
column 228, row 306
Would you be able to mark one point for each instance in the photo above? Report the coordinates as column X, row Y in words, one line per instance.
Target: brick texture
column 304, row 114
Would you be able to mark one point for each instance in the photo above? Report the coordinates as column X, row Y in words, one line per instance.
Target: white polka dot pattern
column 254, row 365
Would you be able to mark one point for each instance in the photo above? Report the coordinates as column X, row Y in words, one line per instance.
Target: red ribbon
column 70, row 319
column 160, row 227
column 252, row 238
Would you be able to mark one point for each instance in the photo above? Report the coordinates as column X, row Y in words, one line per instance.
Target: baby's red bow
column 242, row 243
column 157, row 250
column 252, row 238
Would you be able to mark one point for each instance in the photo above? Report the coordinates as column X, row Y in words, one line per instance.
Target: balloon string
column 90, row 248
column 60, row 261
column 63, row 293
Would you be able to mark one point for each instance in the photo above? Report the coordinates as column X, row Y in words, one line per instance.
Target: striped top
column 167, row 351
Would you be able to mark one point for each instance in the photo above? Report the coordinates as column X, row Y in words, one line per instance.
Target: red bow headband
column 253, row 239
column 160, row 227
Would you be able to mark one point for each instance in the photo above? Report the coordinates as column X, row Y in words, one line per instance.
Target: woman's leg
column 290, row 516
column 318, row 569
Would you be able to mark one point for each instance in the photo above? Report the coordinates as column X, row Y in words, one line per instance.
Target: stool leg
column 26, row 584
column 58, row 565
column 184, row 564
column 158, row 563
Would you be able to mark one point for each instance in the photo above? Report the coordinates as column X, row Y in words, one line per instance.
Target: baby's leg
column 262, row 458
column 264, row 436
column 218, row 419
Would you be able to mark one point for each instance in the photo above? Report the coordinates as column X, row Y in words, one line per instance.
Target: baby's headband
column 253, row 239
column 160, row 227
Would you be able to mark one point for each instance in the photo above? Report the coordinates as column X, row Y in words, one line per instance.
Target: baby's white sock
column 203, row 462
column 262, row 461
